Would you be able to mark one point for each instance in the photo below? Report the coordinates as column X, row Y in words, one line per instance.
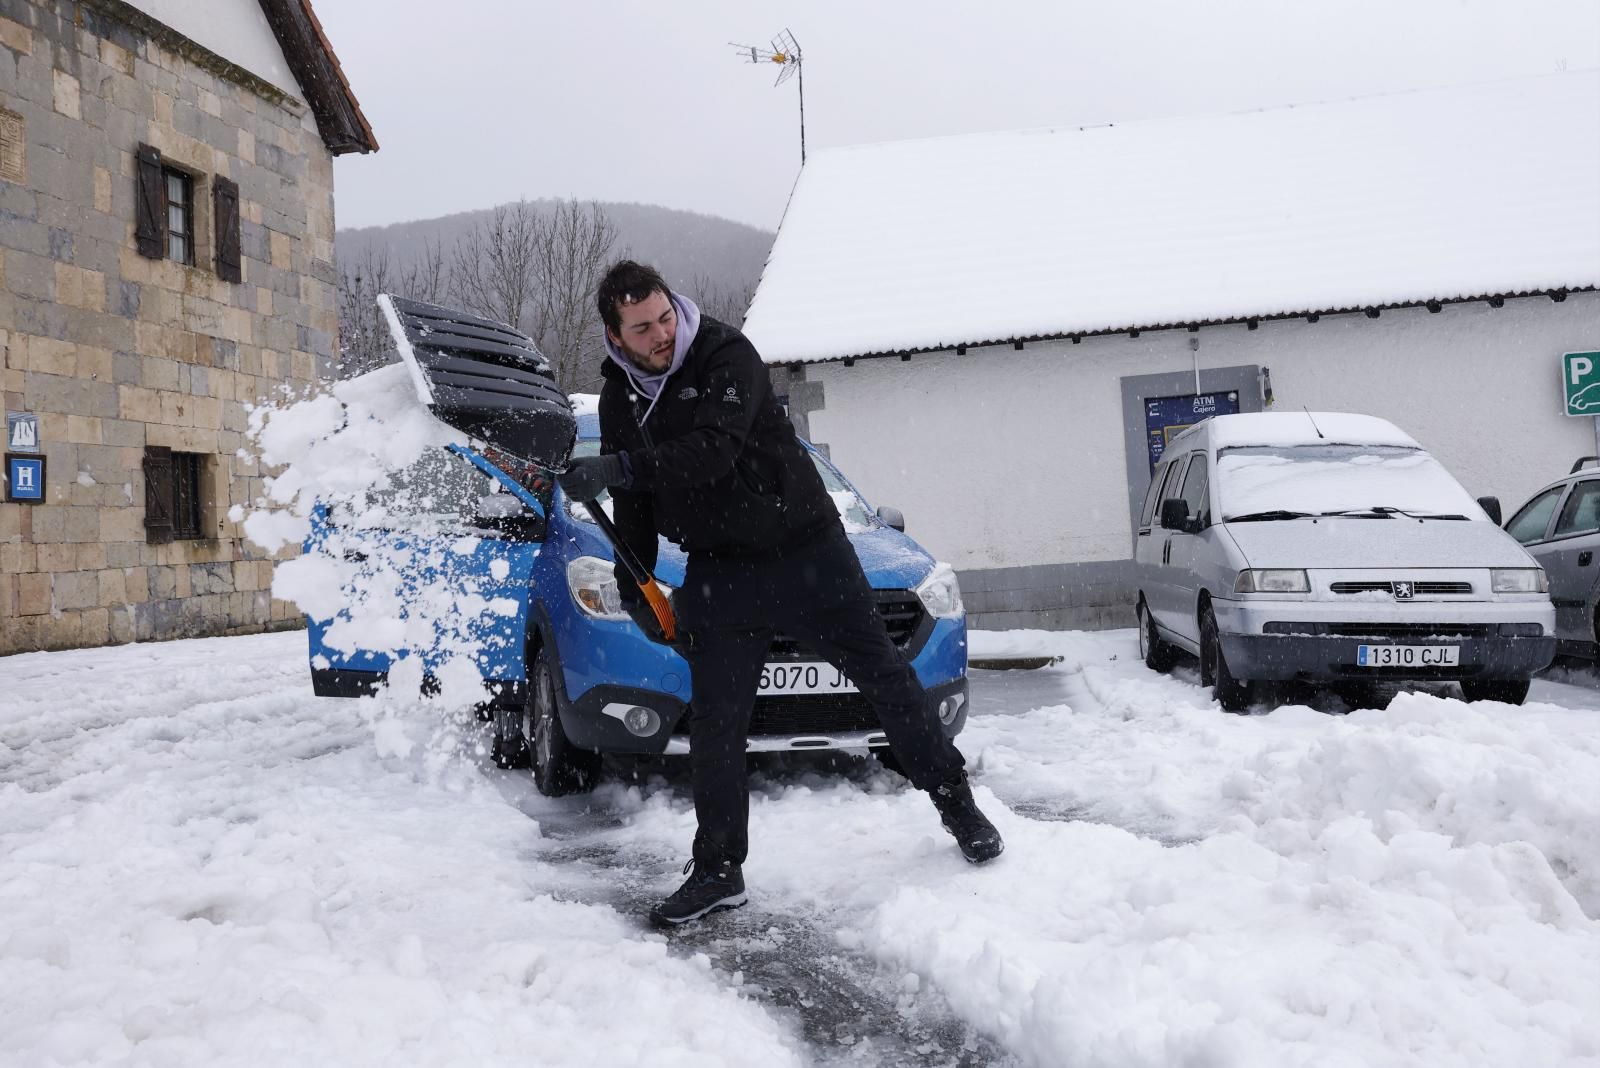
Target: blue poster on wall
column 1167, row 417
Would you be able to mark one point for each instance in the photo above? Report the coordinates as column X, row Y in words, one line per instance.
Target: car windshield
column 852, row 509
column 1298, row 481
column 440, row 493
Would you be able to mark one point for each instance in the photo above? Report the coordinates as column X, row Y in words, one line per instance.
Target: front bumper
column 1483, row 631
column 595, row 721
column 1318, row 658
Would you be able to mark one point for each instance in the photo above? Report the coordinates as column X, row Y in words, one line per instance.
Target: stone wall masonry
column 115, row 352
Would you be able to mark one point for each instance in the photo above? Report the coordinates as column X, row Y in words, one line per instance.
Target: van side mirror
column 1175, row 514
column 1491, row 505
column 893, row 517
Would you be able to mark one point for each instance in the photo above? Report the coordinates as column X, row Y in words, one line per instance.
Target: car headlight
column 941, row 594
column 1272, row 580
column 1518, row 580
column 594, row 586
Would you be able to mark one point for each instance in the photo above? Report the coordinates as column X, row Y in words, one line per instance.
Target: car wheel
column 1233, row 694
column 1509, row 691
column 1156, row 654
column 559, row 767
column 510, row 749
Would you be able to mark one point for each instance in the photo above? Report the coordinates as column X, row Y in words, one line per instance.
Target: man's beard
column 643, row 362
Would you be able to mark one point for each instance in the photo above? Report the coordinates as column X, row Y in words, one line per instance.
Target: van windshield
column 1287, row 482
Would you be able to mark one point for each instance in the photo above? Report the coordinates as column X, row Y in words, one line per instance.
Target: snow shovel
column 491, row 383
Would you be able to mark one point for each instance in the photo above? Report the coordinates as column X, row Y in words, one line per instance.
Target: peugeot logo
column 1402, row 591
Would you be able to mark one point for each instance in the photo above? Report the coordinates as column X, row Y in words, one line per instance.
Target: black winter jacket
column 716, row 467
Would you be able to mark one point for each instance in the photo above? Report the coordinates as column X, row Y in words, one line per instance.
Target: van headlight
column 594, row 586
column 1518, row 580
column 941, row 594
column 1272, row 580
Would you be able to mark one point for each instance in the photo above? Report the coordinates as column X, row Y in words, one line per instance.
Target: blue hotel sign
column 24, row 479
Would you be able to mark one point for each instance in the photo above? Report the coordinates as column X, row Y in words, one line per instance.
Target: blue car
column 569, row 676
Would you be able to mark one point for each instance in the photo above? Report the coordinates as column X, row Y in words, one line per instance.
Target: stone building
column 166, row 258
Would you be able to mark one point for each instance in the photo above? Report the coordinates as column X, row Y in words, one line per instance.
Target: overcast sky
column 477, row 102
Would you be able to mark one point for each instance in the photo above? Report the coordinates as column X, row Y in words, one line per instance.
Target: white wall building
column 996, row 333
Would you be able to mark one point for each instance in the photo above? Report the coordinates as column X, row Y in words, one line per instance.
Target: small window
column 1529, row 524
column 1194, row 489
column 174, row 494
column 1581, row 513
column 1152, row 496
column 180, row 215
column 1169, row 485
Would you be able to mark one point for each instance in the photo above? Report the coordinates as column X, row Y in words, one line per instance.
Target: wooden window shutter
column 150, row 205
column 157, row 493
column 225, row 205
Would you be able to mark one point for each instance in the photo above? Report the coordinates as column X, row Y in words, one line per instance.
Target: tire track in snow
column 840, row 1001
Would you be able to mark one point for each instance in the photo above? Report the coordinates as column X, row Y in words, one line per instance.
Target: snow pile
column 1412, row 885
column 393, row 571
column 201, row 865
column 1408, row 886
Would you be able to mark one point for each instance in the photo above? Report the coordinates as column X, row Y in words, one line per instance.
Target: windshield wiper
column 1264, row 517
column 1384, row 511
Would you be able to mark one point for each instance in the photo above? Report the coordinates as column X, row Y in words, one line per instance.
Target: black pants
column 730, row 609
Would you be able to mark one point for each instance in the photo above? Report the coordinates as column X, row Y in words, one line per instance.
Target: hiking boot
column 709, row 888
column 976, row 836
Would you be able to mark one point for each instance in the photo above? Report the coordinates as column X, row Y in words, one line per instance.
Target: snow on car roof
column 1301, row 428
column 1473, row 191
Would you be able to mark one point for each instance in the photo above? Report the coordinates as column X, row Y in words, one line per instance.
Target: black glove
column 645, row 617
column 586, row 477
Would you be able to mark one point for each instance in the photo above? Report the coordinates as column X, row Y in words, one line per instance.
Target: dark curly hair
column 627, row 282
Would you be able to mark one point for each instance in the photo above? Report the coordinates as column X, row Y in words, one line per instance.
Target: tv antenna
column 784, row 50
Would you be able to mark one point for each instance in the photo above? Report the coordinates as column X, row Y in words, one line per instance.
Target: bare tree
column 492, row 266
column 427, row 278
column 722, row 302
column 363, row 337
column 364, row 341
column 575, row 245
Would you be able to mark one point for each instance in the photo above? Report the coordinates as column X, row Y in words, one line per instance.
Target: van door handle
column 1166, row 552
column 1585, row 558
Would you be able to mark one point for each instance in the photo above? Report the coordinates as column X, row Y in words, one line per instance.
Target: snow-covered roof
column 1482, row 190
column 1303, row 428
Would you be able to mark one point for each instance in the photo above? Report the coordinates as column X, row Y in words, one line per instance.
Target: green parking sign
column 1580, row 376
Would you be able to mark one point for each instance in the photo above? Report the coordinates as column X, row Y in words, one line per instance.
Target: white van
column 1331, row 548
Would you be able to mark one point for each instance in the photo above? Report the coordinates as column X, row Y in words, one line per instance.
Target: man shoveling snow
column 695, row 447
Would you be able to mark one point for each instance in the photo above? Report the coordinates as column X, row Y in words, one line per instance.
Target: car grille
column 1418, row 589
column 900, row 610
column 1413, row 630
column 812, row 714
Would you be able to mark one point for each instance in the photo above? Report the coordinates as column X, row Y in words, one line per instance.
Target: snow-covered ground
column 203, row 864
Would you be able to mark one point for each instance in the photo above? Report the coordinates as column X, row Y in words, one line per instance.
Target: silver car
column 1331, row 548
column 1560, row 527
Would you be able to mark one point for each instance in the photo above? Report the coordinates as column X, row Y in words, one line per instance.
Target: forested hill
column 688, row 248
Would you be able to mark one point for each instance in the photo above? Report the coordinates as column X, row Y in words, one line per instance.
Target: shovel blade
column 484, row 378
